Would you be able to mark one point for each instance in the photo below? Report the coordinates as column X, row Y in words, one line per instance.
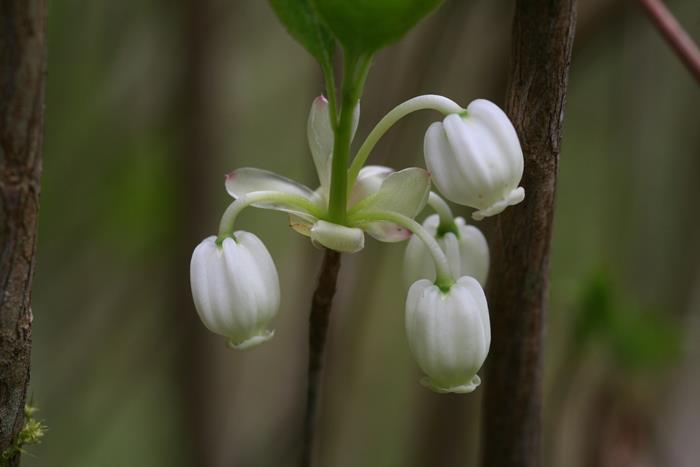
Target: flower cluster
column 475, row 160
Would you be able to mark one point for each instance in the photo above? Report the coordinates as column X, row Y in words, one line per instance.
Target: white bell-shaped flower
column 235, row 288
column 449, row 333
column 468, row 253
column 476, row 159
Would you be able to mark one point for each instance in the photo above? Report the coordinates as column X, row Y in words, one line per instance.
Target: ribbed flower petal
column 473, row 251
column 235, row 288
column 511, row 199
column 467, row 145
column 504, row 134
column 448, row 333
column 450, row 245
column 476, row 159
column 468, row 255
column 438, row 153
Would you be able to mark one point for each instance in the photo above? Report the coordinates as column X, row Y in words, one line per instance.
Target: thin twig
column 675, row 35
column 318, row 326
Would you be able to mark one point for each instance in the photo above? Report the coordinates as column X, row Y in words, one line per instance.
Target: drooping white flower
column 235, row 288
column 476, row 159
column 467, row 253
column 449, row 333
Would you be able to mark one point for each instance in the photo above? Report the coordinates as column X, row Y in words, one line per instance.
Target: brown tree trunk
column 195, row 174
column 543, row 33
column 22, row 73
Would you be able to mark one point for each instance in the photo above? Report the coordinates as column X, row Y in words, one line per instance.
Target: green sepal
column 404, row 192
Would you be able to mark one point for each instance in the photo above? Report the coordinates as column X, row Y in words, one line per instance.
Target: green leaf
column 304, row 25
column 365, row 26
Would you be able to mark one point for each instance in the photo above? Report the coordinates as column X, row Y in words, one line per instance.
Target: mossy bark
column 22, row 76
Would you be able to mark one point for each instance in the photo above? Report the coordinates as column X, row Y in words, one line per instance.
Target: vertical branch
column 543, row 32
column 318, row 327
column 193, row 165
column 22, row 73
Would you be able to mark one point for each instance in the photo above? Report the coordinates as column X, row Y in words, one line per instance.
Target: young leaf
column 303, row 24
column 365, row 26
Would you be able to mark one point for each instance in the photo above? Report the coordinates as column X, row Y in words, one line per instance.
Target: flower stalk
column 444, row 278
column 228, row 219
column 447, row 219
column 427, row 102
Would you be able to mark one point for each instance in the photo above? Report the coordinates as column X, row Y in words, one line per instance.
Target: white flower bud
column 449, row 333
column 235, row 288
column 468, row 255
column 337, row 237
column 476, row 159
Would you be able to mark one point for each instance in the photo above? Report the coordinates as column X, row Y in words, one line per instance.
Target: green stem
column 354, row 75
column 430, row 101
column 444, row 278
column 228, row 219
column 447, row 219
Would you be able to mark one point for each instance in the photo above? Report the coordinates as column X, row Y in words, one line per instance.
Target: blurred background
column 150, row 103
